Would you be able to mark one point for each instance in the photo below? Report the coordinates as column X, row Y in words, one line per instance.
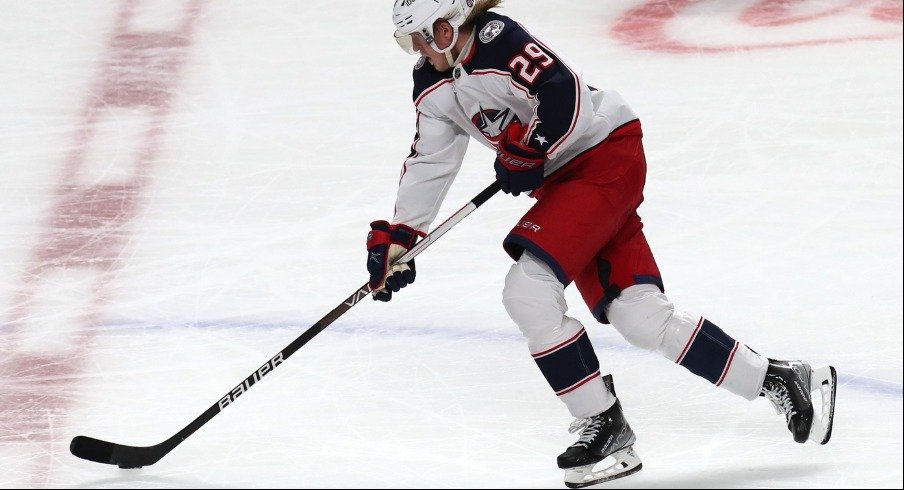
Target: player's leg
column 625, row 288
column 632, row 299
column 646, row 318
column 535, row 300
column 575, row 216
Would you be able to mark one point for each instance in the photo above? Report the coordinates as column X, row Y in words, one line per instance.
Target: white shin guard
column 646, row 318
column 535, row 300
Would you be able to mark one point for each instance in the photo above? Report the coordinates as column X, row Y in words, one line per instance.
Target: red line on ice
column 86, row 230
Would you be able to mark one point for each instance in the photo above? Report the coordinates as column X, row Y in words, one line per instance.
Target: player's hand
column 519, row 168
column 385, row 244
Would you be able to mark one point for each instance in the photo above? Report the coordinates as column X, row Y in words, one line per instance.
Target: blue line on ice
column 847, row 380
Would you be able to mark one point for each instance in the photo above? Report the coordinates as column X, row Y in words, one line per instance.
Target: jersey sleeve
column 436, row 154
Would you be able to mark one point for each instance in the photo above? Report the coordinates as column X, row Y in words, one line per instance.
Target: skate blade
column 626, row 463
column 823, row 380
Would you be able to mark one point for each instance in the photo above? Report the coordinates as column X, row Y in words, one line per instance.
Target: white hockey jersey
column 507, row 76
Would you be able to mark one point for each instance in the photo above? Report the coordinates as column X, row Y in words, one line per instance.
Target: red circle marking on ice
column 645, row 27
column 889, row 11
column 779, row 12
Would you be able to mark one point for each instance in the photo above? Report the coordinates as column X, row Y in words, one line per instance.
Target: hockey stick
column 136, row 457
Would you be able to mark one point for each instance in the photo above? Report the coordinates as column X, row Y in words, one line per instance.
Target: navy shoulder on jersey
column 497, row 39
column 504, row 47
column 426, row 76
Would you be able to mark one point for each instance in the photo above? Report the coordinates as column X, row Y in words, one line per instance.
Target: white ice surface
column 773, row 205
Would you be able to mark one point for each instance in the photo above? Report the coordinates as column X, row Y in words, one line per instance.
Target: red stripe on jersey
column 563, row 344
column 430, row 89
column 728, row 364
column 578, row 384
column 690, row 341
column 470, row 54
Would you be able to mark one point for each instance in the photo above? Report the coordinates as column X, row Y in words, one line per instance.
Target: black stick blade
column 105, row 452
column 92, row 449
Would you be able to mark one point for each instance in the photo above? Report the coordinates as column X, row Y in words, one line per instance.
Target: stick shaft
column 136, row 457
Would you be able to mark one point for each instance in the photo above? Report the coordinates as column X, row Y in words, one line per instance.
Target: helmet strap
column 448, row 51
column 464, row 51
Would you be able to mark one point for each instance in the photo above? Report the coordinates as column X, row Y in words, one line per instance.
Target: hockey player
column 577, row 150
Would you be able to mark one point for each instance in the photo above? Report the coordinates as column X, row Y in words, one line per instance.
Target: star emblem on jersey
column 540, row 139
column 492, row 122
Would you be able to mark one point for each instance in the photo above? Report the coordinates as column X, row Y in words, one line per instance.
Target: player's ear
column 443, row 30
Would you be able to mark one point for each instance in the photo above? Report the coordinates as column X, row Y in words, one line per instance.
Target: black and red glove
column 519, row 168
column 385, row 244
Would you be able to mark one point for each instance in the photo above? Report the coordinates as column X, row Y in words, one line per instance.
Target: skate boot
column 603, row 435
column 788, row 385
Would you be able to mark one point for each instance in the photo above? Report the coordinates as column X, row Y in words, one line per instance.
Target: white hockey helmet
column 418, row 16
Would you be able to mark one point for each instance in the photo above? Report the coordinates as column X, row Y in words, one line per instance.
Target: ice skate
column 789, row 386
column 605, row 436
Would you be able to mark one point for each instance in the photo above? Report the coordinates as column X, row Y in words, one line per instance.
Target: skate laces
column 590, row 426
column 777, row 393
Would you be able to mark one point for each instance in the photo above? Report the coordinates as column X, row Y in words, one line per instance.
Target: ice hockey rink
column 186, row 187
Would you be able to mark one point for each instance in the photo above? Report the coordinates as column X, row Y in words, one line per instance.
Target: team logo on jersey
column 420, row 62
column 492, row 122
column 490, row 31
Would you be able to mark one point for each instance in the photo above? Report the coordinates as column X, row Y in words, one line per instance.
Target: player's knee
column 641, row 314
column 533, row 297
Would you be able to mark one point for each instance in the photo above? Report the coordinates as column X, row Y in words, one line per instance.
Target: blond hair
column 481, row 7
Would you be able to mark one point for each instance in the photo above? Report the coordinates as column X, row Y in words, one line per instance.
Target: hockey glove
column 385, row 244
column 519, row 168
